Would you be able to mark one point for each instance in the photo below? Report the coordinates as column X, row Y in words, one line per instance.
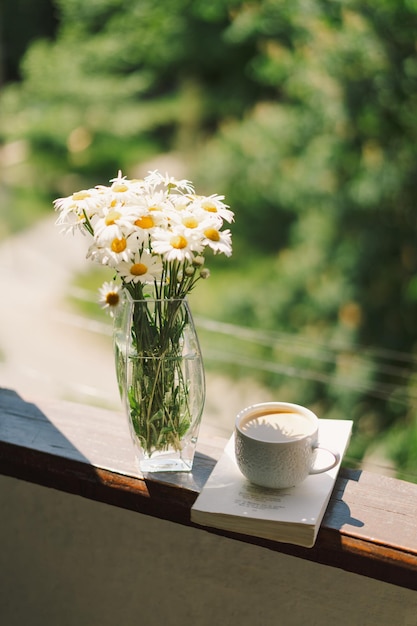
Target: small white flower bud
column 205, row 273
column 198, row 261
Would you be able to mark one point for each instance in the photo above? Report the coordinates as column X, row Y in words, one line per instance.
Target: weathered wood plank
column 370, row 526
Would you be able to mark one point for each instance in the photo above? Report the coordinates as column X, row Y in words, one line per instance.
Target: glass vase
column 160, row 374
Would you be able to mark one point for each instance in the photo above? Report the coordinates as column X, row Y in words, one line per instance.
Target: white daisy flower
column 122, row 190
column 217, row 240
column 86, row 200
column 116, row 222
column 177, row 244
column 153, row 212
column 77, row 211
column 214, row 205
column 190, row 220
column 180, row 202
column 143, row 267
column 110, row 297
column 111, row 252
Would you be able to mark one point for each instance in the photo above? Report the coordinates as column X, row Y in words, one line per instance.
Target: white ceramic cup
column 276, row 444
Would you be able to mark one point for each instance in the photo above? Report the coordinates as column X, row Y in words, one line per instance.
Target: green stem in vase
column 158, row 394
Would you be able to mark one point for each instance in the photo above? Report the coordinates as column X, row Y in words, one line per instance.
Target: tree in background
column 16, row 34
column 325, row 173
column 303, row 112
column 121, row 82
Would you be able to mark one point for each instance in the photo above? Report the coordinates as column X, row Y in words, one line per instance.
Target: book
column 228, row 501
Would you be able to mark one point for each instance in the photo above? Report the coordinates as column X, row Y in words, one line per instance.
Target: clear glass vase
column 161, row 381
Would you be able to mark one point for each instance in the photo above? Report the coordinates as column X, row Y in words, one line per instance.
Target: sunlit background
column 303, row 113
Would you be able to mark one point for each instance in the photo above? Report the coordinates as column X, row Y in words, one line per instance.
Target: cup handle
column 326, row 468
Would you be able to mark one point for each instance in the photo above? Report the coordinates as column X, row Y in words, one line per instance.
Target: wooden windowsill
column 369, row 528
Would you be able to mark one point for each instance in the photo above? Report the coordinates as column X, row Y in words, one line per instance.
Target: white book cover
column 229, row 502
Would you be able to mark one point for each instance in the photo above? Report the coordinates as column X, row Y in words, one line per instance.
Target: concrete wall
column 66, row 561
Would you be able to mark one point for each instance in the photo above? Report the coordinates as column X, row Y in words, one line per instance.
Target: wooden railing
column 369, row 528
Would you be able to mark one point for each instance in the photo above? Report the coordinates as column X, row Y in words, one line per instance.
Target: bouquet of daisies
column 153, row 233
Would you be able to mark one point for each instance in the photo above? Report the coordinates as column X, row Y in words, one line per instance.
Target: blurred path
column 41, row 353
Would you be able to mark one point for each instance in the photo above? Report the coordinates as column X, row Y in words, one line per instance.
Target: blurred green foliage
column 303, row 112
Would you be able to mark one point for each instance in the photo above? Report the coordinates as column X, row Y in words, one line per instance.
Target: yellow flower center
column 138, row 269
column 146, row 221
column 112, row 298
column 112, row 217
column 190, row 222
column 80, row 195
column 178, row 242
column 118, row 245
column 212, row 234
column 119, row 187
column 210, row 207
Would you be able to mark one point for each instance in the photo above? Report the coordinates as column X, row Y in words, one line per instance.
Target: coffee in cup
column 276, row 444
